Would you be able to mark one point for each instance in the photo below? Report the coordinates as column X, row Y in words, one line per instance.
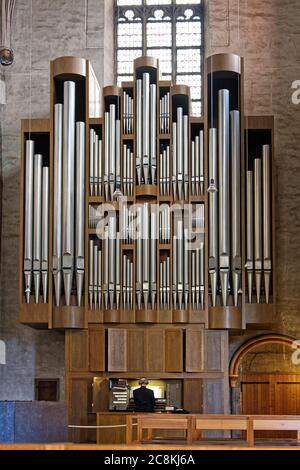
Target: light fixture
column 6, row 52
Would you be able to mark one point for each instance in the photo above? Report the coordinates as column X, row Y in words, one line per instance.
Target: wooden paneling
column 173, row 350
column 135, row 350
column 97, row 349
column 117, row 350
column 194, row 360
column 215, row 350
column 78, row 350
column 193, row 395
column 80, row 403
column 154, row 350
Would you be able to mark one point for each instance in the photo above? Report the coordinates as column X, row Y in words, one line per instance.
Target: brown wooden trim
column 69, row 65
column 224, row 62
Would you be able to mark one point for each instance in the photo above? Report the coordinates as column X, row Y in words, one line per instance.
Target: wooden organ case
column 160, row 301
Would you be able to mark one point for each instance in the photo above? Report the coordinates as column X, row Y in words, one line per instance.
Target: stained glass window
column 170, row 30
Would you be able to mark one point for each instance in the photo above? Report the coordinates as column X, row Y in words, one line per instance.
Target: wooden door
column 277, row 394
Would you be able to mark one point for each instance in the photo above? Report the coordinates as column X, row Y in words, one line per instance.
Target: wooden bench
column 191, row 423
column 150, row 422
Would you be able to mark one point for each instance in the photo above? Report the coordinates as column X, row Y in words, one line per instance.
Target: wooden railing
column 194, row 424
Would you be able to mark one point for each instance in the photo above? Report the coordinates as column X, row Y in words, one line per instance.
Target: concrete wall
column 42, row 30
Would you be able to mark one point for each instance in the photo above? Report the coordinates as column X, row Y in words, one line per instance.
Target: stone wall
column 42, row 30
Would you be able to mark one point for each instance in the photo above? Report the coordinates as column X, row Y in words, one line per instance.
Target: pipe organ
column 147, row 214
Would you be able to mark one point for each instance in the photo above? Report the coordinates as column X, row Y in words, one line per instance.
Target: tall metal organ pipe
column 68, row 188
column 28, row 235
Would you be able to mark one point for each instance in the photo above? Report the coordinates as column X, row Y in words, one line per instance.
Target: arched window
column 171, row 30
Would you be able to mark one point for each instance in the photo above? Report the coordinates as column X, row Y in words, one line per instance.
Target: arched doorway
column 265, row 378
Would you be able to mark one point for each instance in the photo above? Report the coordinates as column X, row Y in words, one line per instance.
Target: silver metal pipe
column 37, row 224
column 112, row 228
column 174, row 176
column 139, row 276
column 45, row 232
column 236, row 257
column 161, row 284
column 213, row 264
column 202, row 271
column 194, row 294
column 146, row 126
column 161, row 169
column 174, row 272
column 258, row 242
column 112, row 149
column 267, row 245
column 186, row 155
column 224, row 232
column 124, row 282
column 250, row 232
column 100, row 167
column 193, row 170
column 153, row 249
column 91, row 273
column 92, row 143
column 129, row 182
column 28, row 231
column 168, row 171
column 106, row 268
column 153, row 126
column 106, row 153
column 180, row 263
column 179, row 152
column 117, row 268
column 168, row 282
column 118, row 155
column 80, row 203
column 146, row 254
column 186, row 267
column 168, row 112
column 99, row 278
column 96, row 267
column 197, row 165
column 139, row 125
column 96, row 164
column 57, row 202
column 68, row 188
column 201, row 156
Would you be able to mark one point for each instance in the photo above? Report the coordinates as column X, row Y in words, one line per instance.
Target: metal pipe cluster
column 127, row 224
column 259, row 245
column 111, row 244
column 164, row 224
column 68, row 200
column 164, row 113
column 180, row 265
column 94, row 216
column 198, row 261
column 128, row 171
column 112, row 153
column 146, row 247
column 127, row 113
column 164, row 170
column 95, row 164
column 146, row 130
column 36, row 229
column 197, row 165
column 95, row 276
column 127, row 283
column 180, row 170
column 164, row 283
column 225, row 205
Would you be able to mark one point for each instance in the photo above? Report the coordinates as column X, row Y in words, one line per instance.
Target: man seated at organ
column 143, row 397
